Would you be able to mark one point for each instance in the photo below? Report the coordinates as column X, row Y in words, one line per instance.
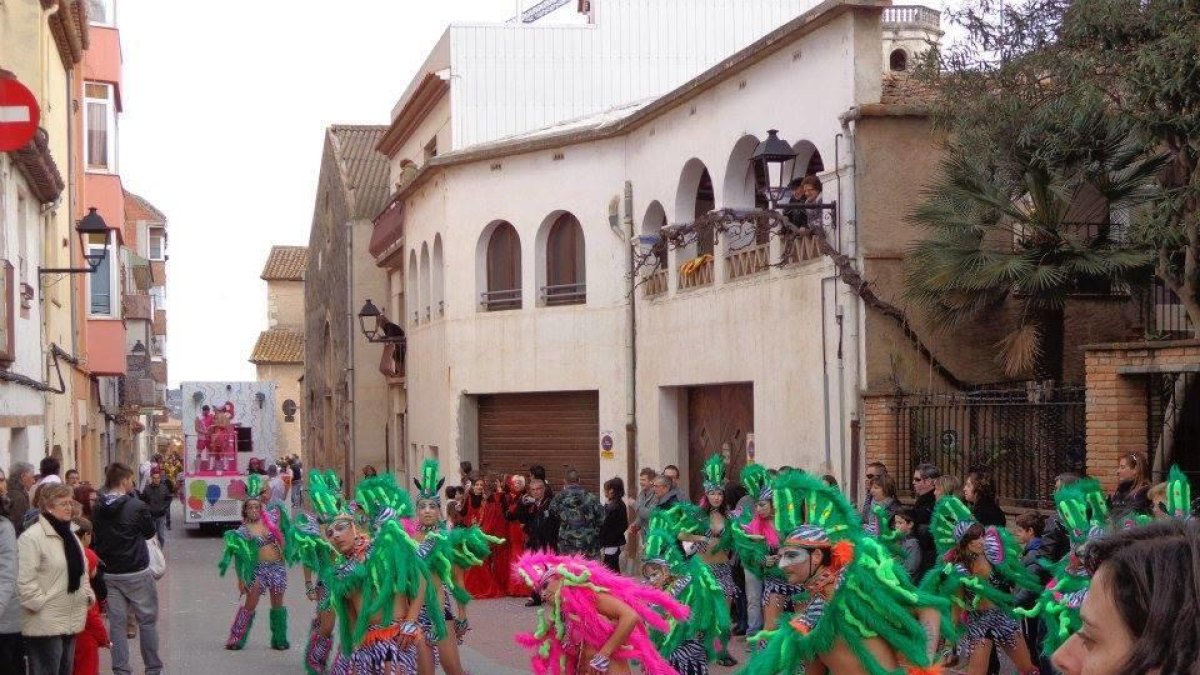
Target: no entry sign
column 18, row 115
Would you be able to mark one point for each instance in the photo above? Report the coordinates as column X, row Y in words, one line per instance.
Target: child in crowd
column 94, row 635
column 903, row 524
column 1029, row 528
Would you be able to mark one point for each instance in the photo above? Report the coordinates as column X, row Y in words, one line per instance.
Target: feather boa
column 574, row 612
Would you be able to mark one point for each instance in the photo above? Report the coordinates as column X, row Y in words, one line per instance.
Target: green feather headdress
column 951, row 520
column 430, row 483
column 325, row 490
column 803, row 500
column 382, row 499
column 1082, row 509
column 757, row 480
column 255, row 485
column 714, row 473
column 1179, row 495
column 662, row 547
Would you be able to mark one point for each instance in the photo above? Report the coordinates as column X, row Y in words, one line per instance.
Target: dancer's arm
column 622, row 615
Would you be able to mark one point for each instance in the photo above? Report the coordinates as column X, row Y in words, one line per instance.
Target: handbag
column 158, row 561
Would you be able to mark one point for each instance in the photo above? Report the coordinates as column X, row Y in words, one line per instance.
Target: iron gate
column 1173, row 422
column 1022, row 437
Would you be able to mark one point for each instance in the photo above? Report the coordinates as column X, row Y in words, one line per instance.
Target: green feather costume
column 869, row 595
column 240, row 550
column 699, row 588
column 752, row 552
column 1179, row 495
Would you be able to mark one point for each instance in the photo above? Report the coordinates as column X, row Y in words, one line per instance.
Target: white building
column 509, row 262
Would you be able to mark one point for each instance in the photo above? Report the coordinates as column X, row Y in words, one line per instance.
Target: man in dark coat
column 924, row 477
column 539, row 522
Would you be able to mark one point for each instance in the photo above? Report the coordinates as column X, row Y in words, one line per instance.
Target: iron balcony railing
column 564, row 294
column 498, row 301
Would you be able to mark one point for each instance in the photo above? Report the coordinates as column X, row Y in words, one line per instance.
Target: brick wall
column 1116, row 399
column 881, row 433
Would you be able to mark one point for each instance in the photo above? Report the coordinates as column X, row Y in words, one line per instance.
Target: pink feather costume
column 572, row 620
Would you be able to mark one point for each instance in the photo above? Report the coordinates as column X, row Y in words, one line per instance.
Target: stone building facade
column 345, row 395
column 278, row 354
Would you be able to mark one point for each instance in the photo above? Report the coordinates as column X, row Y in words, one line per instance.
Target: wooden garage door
column 719, row 417
column 556, row 429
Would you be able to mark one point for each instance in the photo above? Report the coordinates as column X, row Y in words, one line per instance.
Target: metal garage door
column 556, row 429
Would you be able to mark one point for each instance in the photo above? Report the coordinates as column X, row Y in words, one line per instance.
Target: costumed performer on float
column 446, row 552
column 974, row 561
column 688, row 644
column 863, row 615
column 595, row 620
column 256, row 549
column 307, row 545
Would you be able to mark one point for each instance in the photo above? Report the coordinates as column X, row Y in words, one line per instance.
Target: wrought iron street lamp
column 93, row 234
column 775, row 156
column 369, row 313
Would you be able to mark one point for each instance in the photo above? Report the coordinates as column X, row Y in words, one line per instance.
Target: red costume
column 94, row 635
column 514, row 546
column 484, row 512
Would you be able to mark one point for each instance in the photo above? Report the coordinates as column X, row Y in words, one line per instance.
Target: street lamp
column 92, row 232
column 369, row 312
column 775, row 153
column 138, row 348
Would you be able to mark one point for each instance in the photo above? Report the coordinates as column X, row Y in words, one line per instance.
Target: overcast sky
column 225, row 107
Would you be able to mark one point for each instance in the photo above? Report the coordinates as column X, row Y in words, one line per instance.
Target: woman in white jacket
column 52, row 583
column 12, row 648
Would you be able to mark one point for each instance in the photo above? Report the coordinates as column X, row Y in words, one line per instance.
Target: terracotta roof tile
column 286, row 263
column 365, row 169
column 138, row 208
column 278, row 345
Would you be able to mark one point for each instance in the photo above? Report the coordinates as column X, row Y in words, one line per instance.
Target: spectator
column 579, row 515
column 52, row 584
column 874, row 470
column 902, row 522
column 665, row 494
column 465, row 469
column 279, row 488
column 157, row 494
column 672, row 473
column 883, row 497
column 1056, row 541
column 122, row 526
column 72, row 478
column 297, row 487
column 924, row 478
column 94, row 634
column 541, row 525
column 1140, row 614
column 87, row 497
column 12, row 648
column 1029, row 528
column 947, row 485
column 368, row 471
column 539, row 472
column 49, row 468
column 20, row 479
column 616, row 521
column 829, row 479
column 1133, row 484
column 980, row 494
column 646, row 499
column 454, row 505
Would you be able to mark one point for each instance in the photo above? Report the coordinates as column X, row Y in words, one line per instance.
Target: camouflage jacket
column 580, row 515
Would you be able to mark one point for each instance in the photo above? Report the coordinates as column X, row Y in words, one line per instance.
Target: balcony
column 564, row 294
column 499, row 301
column 747, row 261
column 800, row 248
column 136, row 307
column 696, row 273
column 912, row 15
column 160, row 322
column 655, row 284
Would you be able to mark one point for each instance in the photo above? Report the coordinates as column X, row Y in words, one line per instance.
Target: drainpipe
column 631, row 371
column 351, row 453
column 853, row 329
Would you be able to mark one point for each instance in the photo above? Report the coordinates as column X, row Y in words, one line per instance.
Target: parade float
column 236, row 433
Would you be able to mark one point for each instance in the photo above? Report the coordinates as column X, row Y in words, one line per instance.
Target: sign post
column 19, row 114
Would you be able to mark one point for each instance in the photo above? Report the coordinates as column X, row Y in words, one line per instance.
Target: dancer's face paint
column 341, row 533
column 796, row 563
column 428, row 512
column 655, row 574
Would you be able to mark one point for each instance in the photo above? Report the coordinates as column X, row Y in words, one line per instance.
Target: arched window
column 426, row 284
column 439, row 278
column 705, row 202
column 566, row 270
column 413, row 292
column 503, row 269
column 898, row 61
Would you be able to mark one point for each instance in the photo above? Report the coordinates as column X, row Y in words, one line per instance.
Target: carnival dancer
column 713, row 542
column 203, row 427
column 379, row 584
column 256, row 549
column 514, row 533
column 863, row 616
column 974, row 561
column 595, row 621
column 688, row 645
column 446, row 552
column 307, row 545
column 482, row 509
column 222, row 441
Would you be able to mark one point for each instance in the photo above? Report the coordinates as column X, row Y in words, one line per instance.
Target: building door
column 557, row 430
column 719, row 417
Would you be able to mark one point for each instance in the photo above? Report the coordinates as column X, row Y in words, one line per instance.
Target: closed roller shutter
column 556, row 429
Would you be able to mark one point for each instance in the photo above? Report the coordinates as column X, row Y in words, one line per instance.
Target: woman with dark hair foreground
column 1142, row 615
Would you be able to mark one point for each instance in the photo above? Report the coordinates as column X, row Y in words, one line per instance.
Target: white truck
column 227, row 426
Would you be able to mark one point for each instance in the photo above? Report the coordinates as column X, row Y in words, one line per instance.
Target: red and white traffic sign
column 18, row 115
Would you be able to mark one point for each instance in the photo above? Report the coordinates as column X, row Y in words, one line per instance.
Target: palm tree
column 1022, row 214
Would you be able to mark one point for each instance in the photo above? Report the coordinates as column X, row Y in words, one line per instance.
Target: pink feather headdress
column 573, row 617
